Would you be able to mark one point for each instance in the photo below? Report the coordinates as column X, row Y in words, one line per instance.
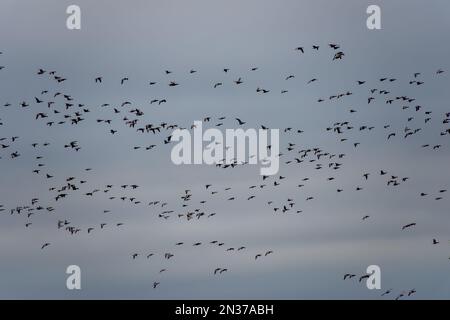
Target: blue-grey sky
column 312, row 250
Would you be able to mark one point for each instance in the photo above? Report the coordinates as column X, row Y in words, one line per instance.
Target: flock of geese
column 58, row 107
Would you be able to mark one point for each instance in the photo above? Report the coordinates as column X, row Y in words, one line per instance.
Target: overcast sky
column 313, row 249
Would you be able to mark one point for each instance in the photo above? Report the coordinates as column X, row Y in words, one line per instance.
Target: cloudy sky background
column 312, row 250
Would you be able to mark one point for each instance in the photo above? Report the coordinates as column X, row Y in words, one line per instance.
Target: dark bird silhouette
column 45, row 245
column 240, row 121
column 408, row 225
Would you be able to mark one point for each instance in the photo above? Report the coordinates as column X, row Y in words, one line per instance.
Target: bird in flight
column 45, row 245
column 408, row 225
column 240, row 122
